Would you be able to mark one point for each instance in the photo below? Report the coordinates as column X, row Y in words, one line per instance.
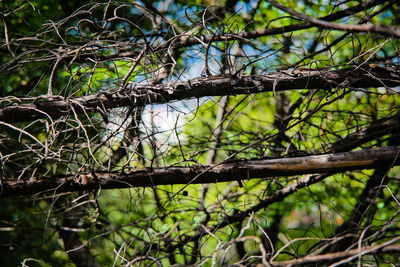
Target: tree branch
column 330, row 257
column 240, row 170
column 384, row 30
column 377, row 129
column 78, row 252
column 366, row 206
column 184, row 41
column 141, row 95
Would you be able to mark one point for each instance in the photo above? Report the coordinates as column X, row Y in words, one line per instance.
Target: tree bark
column 232, row 171
column 141, row 95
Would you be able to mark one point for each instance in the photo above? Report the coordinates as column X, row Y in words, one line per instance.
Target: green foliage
column 187, row 224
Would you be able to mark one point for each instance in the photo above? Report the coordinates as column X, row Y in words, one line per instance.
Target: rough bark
column 366, row 206
column 141, row 95
column 240, row 170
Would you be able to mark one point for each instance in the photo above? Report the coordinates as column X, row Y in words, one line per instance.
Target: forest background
column 210, row 133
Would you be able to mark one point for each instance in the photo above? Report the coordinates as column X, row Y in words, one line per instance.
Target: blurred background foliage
column 166, row 224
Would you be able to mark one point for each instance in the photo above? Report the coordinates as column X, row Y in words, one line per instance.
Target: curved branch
column 181, row 41
column 384, row 30
column 186, row 42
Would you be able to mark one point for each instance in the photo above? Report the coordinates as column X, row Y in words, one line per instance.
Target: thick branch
column 380, row 127
column 199, row 87
column 331, row 257
column 363, row 159
column 377, row 129
column 366, row 206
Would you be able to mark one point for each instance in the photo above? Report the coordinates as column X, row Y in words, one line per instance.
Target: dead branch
column 242, row 170
column 142, row 95
column 330, row 257
column 384, row 30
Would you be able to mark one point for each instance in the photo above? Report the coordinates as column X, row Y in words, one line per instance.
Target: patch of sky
column 262, row 60
column 168, row 116
column 193, row 62
column 388, row 14
column 164, row 118
column 242, row 7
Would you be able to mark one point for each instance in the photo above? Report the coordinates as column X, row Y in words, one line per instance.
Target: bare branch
column 381, row 29
column 330, row 257
column 357, row 160
column 142, row 95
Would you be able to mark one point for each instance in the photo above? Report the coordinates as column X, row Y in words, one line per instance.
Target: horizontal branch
column 380, row 29
column 331, row 257
column 141, row 95
column 224, row 172
column 185, row 42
